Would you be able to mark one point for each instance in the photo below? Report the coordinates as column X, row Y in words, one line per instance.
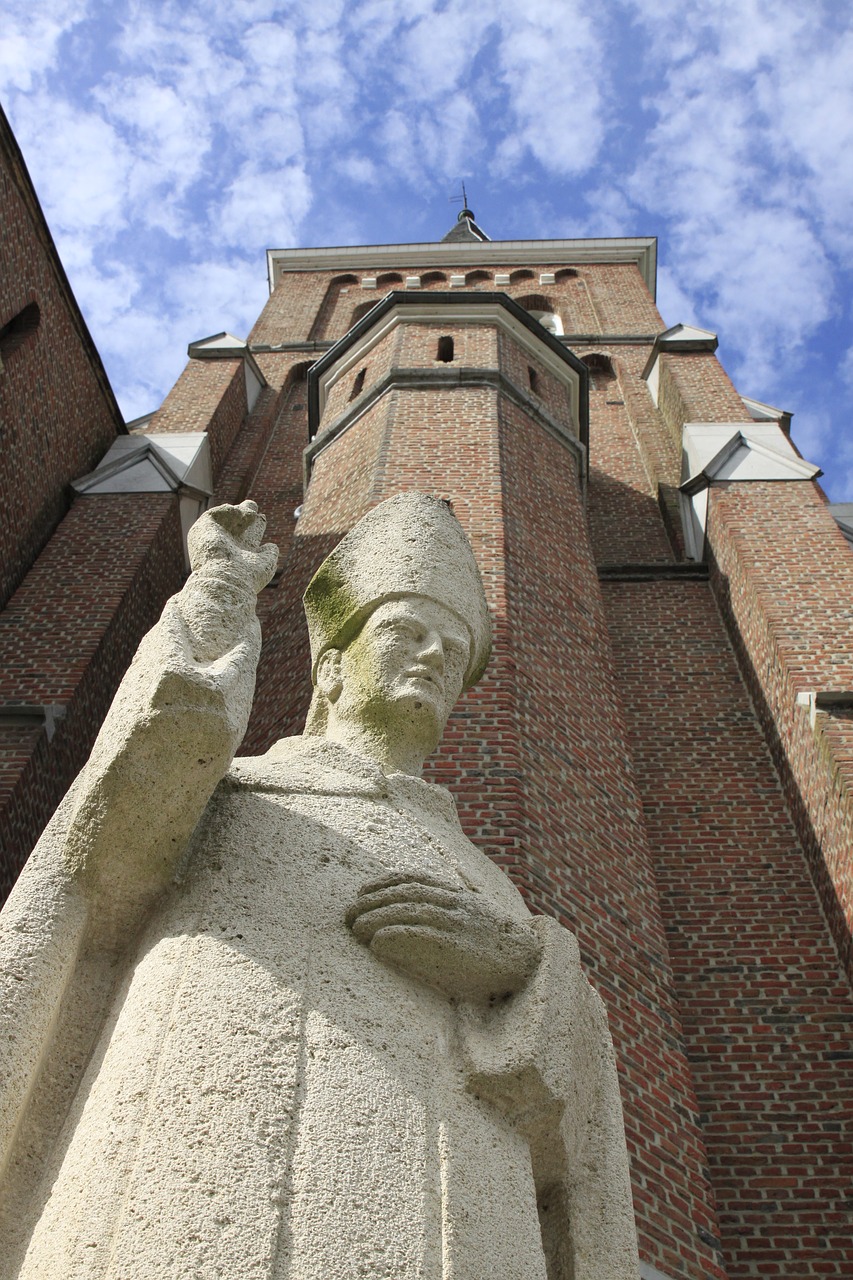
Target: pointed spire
column 465, row 228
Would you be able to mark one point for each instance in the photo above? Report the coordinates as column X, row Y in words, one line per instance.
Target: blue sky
column 172, row 143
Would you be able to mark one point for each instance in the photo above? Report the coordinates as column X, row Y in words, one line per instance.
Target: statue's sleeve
column 170, row 735
column 545, row 1059
column 117, row 838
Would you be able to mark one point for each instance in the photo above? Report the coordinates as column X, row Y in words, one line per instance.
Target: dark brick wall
column 66, row 639
column 57, row 413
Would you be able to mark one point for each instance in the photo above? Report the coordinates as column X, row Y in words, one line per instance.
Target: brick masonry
column 57, row 411
column 635, row 756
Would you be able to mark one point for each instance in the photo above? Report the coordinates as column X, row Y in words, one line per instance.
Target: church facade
column 661, row 752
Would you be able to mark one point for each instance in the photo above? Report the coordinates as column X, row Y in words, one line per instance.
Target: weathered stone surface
column 337, row 1043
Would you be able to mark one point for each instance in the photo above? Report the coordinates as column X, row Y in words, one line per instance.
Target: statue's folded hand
column 444, row 935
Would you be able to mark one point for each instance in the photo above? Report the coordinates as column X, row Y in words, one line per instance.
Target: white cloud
column 743, row 162
column 846, row 369
column 552, row 64
column 263, row 205
column 195, row 300
column 79, row 162
column 31, row 35
column 359, row 169
column 674, row 302
column 206, row 133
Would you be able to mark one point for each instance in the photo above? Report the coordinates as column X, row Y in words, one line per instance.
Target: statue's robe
column 267, row 1098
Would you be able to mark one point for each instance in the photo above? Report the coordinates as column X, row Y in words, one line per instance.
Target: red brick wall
column 586, row 856
column 599, row 298
column 210, row 395
column 59, row 416
column 620, row 299
column 765, row 1009
column 66, row 638
column 784, row 576
column 694, row 387
column 624, row 513
column 588, row 865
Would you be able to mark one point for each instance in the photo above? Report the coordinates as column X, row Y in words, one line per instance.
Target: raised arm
column 116, row 840
column 176, row 722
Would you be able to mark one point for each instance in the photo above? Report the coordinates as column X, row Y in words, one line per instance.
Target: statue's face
column 408, row 660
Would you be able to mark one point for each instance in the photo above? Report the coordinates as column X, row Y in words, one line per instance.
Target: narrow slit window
column 533, row 378
column 445, row 349
column 358, row 385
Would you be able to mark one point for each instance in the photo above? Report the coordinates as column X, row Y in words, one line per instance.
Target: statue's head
column 398, row 622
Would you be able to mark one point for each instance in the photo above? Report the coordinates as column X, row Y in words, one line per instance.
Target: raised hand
column 225, row 542
column 230, row 566
column 444, row 935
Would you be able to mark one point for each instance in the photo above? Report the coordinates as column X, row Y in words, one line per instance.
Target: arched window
column 361, row 310
column 433, row 277
column 328, row 307
column 16, row 331
column 296, row 386
column 445, row 349
column 565, row 273
column 477, row 277
column 389, row 278
column 541, row 308
column 516, row 276
column 601, row 369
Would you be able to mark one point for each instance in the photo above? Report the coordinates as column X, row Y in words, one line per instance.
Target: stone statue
column 279, row 1017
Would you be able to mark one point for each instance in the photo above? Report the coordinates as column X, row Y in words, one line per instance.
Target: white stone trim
column 368, row 282
column 640, row 250
column 761, row 412
column 731, row 451
column 817, row 700
column 224, row 346
column 547, row 277
column 412, row 282
column 648, row 1272
column 680, row 337
column 549, row 320
column 502, row 277
column 457, row 282
column 170, row 462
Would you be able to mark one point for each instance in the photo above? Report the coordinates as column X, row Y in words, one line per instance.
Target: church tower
column 661, row 752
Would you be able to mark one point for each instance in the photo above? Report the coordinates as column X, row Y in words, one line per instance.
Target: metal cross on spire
column 464, row 212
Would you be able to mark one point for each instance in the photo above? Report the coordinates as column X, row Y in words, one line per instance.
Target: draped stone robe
column 246, row 1090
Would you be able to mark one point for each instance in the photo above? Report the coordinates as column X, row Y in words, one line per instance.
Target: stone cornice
column 641, row 250
column 421, row 379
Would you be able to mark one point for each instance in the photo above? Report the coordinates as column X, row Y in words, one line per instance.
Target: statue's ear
column 329, row 680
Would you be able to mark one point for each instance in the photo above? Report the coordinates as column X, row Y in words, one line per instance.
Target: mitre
column 410, row 545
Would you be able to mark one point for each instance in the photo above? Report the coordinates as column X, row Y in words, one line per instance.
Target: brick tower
column 661, row 752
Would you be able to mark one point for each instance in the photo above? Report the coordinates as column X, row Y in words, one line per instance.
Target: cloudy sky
column 172, row 143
